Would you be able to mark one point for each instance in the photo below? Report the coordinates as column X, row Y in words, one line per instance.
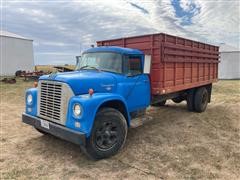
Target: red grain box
column 177, row 63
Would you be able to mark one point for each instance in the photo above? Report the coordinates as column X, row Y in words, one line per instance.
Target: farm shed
column 16, row 53
column 229, row 67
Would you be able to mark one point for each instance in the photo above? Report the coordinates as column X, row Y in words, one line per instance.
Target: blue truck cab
column 94, row 105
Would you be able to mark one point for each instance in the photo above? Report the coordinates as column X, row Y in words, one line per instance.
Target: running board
column 139, row 121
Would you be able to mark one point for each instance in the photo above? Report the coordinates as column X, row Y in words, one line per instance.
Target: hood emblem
column 108, row 87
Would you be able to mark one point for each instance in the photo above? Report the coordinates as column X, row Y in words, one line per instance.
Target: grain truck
column 113, row 85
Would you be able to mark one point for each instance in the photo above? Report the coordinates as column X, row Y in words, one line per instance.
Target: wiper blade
column 92, row 67
column 83, row 67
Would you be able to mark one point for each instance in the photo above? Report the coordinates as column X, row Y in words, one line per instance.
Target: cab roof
column 115, row 49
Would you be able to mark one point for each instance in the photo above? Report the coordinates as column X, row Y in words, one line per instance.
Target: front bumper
column 56, row 130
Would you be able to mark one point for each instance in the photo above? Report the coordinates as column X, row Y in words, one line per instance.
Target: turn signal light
column 90, row 92
column 35, row 84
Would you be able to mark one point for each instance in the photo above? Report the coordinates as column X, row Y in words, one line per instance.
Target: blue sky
column 185, row 15
column 63, row 29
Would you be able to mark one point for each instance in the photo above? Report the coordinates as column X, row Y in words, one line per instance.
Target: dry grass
column 177, row 144
column 50, row 68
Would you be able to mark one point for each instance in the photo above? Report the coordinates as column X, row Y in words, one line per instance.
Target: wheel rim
column 106, row 135
column 204, row 99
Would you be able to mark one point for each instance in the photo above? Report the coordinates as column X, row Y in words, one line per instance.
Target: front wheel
column 108, row 134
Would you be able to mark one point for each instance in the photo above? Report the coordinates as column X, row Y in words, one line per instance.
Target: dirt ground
column 176, row 144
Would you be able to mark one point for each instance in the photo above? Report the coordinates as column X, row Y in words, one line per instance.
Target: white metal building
column 16, row 53
column 229, row 67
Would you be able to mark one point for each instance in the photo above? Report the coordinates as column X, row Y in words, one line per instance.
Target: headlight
column 77, row 110
column 29, row 99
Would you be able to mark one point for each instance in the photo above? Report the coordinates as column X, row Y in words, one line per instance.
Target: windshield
column 104, row 61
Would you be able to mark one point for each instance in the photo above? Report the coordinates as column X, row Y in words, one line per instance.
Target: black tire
column 108, row 134
column 178, row 99
column 42, row 132
column 201, row 99
column 190, row 100
column 162, row 103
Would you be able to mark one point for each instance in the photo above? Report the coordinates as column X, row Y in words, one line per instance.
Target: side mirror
column 147, row 64
column 78, row 59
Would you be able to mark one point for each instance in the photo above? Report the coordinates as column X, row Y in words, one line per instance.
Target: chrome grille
column 53, row 98
column 50, row 100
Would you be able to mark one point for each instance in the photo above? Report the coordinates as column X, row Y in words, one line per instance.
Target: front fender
column 90, row 106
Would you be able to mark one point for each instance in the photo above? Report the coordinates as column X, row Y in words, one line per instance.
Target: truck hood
column 82, row 81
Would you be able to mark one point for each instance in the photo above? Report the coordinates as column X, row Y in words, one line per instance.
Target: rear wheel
column 201, row 99
column 190, row 100
column 108, row 134
column 162, row 103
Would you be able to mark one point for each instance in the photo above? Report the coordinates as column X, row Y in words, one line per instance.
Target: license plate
column 45, row 124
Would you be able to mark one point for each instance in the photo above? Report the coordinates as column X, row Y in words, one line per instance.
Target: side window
column 133, row 65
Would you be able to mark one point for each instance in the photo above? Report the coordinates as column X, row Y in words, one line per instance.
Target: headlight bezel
column 77, row 112
column 29, row 99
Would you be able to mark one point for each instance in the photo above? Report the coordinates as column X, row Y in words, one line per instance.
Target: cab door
column 137, row 93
